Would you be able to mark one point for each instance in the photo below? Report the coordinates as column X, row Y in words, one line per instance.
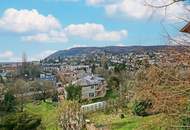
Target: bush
column 122, row 116
column 9, row 103
column 185, row 121
column 140, row 108
column 114, row 82
column 73, row 92
column 55, row 97
column 20, row 121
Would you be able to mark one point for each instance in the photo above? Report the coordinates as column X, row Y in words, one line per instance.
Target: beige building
column 92, row 87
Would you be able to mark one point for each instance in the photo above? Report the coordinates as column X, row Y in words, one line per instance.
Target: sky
column 42, row 27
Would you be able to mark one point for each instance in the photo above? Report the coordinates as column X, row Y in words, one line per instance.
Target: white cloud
column 111, row 36
column 35, row 27
column 62, row 0
column 6, row 55
column 75, row 46
column 139, row 9
column 95, row 2
column 46, row 53
column 120, row 44
column 84, row 30
column 95, row 32
column 100, row 2
column 42, row 55
column 9, row 56
column 24, row 21
column 91, row 31
column 67, row 0
column 50, row 37
column 133, row 8
column 32, row 26
column 78, row 45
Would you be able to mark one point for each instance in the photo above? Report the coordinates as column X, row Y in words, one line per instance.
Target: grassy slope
column 47, row 111
column 128, row 123
column 137, row 123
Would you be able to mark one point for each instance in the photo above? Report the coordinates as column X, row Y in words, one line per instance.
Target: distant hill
column 109, row 49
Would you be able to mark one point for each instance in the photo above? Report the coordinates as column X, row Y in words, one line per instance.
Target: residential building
column 92, row 87
column 68, row 74
column 48, row 77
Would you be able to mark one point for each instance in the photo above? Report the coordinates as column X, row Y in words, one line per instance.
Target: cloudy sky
column 41, row 27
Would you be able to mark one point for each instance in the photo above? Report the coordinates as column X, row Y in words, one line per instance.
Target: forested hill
column 110, row 49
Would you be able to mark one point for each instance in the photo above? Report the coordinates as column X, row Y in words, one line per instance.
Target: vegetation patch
column 130, row 122
column 47, row 111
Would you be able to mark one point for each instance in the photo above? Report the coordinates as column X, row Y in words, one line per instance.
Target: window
column 92, row 87
column 91, row 94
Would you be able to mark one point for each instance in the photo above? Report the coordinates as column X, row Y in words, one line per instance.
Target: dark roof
column 186, row 29
column 89, row 80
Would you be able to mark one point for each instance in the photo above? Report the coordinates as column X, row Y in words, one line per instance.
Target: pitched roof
column 89, row 80
column 186, row 29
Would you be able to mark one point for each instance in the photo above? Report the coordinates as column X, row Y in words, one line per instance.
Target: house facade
column 92, row 87
column 48, row 77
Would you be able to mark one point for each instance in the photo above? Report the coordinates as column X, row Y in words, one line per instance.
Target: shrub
column 140, row 108
column 122, row 116
column 114, row 82
column 9, row 103
column 55, row 97
column 73, row 92
column 20, row 121
column 185, row 121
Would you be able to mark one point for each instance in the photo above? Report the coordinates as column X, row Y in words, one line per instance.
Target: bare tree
column 2, row 87
column 21, row 89
column 165, row 5
column 70, row 116
column 42, row 89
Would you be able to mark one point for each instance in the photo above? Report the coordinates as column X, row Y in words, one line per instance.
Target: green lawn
column 47, row 111
column 111, row 94
column 130, row 122
column 137, row 123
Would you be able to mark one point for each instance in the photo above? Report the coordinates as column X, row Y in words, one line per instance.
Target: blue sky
column 40, row 27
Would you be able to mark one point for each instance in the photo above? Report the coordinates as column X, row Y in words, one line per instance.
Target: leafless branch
column 164, row 5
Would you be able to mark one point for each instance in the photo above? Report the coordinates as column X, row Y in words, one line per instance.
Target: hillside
column 110, row 49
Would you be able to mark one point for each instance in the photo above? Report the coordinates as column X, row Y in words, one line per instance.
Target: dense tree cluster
column 20, row 121
column 73, row 92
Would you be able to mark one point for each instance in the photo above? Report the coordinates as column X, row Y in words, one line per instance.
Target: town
column 94, row 65
column 91, row 80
